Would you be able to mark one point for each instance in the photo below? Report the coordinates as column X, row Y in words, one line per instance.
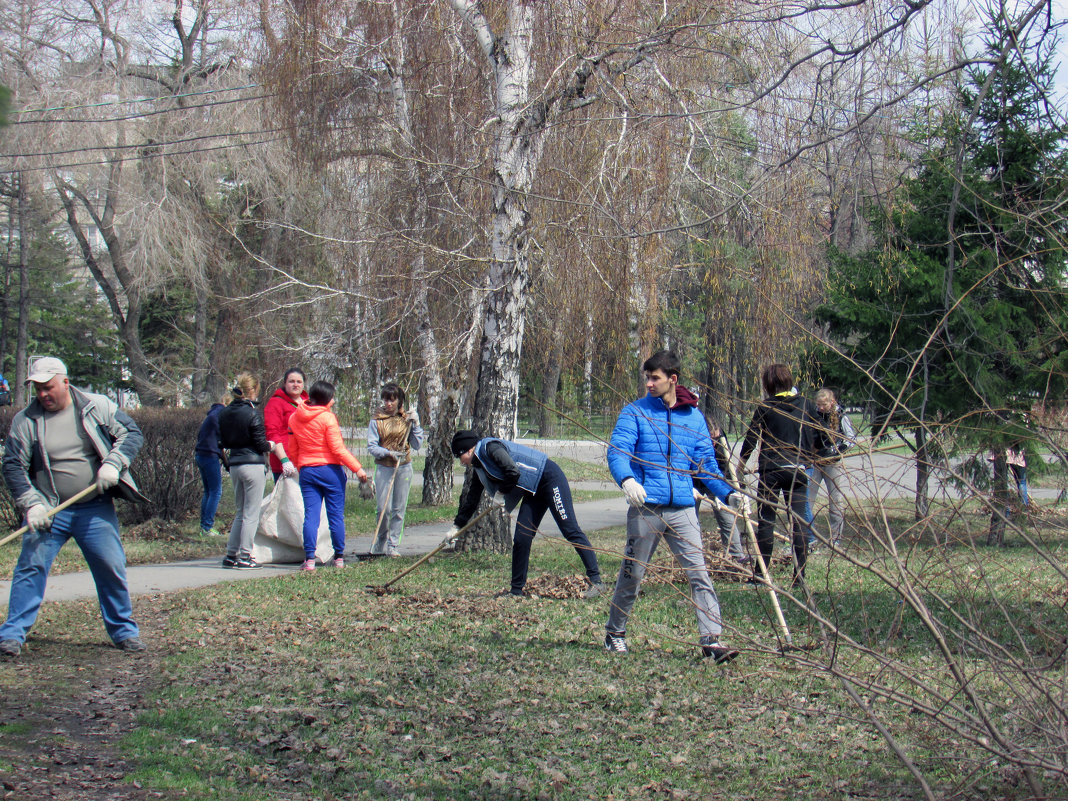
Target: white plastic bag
column 280, row 536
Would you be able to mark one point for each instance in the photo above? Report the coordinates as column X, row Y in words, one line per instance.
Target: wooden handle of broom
column 733, row 478
column 85, row 493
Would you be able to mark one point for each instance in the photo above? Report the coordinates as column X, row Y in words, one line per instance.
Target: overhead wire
column 15, row 112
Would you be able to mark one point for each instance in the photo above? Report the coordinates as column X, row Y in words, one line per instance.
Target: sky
column 1060, row 11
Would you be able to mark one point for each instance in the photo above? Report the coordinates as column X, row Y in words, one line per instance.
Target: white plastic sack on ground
column 280, row 536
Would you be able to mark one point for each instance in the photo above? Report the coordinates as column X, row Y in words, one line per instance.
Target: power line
column 147, row 145
column 156, row 112
column 138, row 100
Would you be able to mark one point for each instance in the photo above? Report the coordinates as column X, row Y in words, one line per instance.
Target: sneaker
column 308, row 566
column 247, row 563
column 210, row 532
column 9, row 649
column 339, row 561
column 131, row 645
column 229, row 561
column 721, row 654
column 393, row 553
column 594, row 590
column 615, row 643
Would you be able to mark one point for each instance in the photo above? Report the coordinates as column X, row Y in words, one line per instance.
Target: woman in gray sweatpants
column 242, row 432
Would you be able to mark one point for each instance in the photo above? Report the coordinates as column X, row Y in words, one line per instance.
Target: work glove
column 452, row 532
column 289, row 470
column 634, row 491
column 697, row 495
column 413, row 418
column 37, row 518
column 106, row 477
column 497, row 499
column 367, row 489
column 400, row 456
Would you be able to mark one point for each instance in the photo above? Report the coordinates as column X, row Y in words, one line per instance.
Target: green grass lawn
column 314, row 687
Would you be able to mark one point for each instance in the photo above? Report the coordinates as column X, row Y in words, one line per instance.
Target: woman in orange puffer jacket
column 318, row 451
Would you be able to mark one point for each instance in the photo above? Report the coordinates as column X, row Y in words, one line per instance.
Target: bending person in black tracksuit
column 523, row 475
column 784, row 424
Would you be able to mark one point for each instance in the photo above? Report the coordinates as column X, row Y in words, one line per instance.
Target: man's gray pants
column 678, row 525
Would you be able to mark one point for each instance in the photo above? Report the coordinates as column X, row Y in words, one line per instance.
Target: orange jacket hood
column 317, row 439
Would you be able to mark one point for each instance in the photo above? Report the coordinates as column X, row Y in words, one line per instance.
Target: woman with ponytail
column 241, row 430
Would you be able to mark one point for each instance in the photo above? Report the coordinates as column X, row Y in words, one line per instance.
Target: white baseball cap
column 45, row 369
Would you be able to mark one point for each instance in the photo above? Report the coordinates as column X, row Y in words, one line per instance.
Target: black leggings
column 793, row 484
column 553, row 495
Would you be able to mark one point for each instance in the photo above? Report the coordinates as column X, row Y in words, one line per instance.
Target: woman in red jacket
column 318, row 451
column 276, row 413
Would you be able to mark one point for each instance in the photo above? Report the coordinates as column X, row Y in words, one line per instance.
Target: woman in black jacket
column 241, row 430
column 784, row 425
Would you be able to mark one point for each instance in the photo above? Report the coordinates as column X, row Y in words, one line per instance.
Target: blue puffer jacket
column 665, row 450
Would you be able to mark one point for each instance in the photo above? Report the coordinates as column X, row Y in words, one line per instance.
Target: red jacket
column 276, row 413
column 317, row 440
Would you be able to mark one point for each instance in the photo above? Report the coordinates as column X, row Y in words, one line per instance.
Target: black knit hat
column 463, row 441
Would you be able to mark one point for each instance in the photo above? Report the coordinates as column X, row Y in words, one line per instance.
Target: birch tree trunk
column 517, row 147
column 439, row 402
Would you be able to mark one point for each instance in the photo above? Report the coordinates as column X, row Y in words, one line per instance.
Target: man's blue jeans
column 95, row 527
column 211, row 478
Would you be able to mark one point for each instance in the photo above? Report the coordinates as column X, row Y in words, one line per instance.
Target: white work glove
column 289, row 470
column 106, row 477
column 452, row 532
column 634, row 491
column 413, row 418
column 37, row 518
column 496, row 499
column 734, row 501
column 697, row 496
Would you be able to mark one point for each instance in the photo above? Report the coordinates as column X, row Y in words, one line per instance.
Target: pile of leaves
column 559, row 587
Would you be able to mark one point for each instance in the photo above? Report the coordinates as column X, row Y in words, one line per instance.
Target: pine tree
column 958, row 315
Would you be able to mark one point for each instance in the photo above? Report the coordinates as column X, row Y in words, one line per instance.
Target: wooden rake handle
column 444, row 542
column 85, row 493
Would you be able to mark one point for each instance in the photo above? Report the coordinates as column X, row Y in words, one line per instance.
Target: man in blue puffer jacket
column 659, row 447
